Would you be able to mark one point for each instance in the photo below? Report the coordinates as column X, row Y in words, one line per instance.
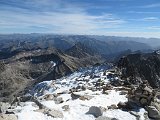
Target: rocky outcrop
column 143, row 95
column 17, row 72
column 136, row 68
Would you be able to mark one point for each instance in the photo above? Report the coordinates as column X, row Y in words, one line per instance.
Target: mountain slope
column 64, row 42
column 80, row 50
column 31, row 67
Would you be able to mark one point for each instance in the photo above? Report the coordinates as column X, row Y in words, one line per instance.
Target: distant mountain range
column 26, row 59
column 101, row 44
column 153, row 42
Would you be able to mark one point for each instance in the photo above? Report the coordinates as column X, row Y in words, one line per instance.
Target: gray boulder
column 75, row 96
column 153, row 112
column 96, row 111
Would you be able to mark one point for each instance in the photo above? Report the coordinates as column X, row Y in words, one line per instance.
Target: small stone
column 84, row 87
column 58, row 100
column 123, row 92
column 103, row 108
column 74, row 96
column 135, row 114
column 143, row 101
column 85, row 97
column 49, row 97
column 66, row 107
column 121, row 105
column 112, row 107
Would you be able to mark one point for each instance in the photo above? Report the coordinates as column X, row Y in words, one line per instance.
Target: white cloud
column 135, row 34
column 151, row 19
column 144, row 12
column 58, row 16
column 76, row 21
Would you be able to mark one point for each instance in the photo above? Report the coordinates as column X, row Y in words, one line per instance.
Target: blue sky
column 138, row 18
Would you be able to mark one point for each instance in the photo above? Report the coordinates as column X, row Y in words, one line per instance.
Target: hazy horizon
column 125, row 18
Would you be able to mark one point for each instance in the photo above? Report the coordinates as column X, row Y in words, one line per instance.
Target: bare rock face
column 96, row 111
column 8, row 117
column 145, row 66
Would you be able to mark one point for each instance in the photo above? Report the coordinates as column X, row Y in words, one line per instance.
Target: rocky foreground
column 96, row 93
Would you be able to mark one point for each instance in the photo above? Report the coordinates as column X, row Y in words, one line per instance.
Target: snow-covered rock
column 77, row 101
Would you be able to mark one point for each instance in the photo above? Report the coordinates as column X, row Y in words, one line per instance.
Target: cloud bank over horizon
column 99, row 17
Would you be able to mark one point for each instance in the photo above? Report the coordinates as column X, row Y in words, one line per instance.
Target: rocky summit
column 88, row 93
column 136, row 68
column 77, row 79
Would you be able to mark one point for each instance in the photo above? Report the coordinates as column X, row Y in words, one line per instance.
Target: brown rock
column 85, row 97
